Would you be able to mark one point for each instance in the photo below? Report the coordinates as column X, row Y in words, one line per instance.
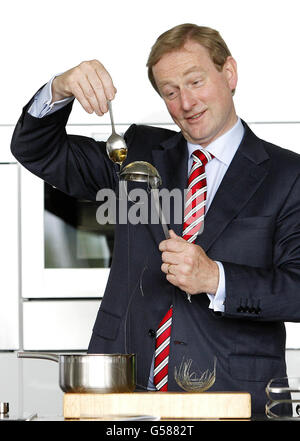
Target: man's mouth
column 196, row 116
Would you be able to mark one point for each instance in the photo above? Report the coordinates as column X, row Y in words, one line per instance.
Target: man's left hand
column 187, row 266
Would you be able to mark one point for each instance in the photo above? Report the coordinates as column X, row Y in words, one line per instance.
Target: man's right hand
column 89, row 82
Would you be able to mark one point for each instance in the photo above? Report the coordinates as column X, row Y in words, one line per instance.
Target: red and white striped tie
column 196, row 196
column 162, row 349
column 193, row 225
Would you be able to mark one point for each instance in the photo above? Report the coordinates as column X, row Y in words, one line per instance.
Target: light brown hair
column 176, row 37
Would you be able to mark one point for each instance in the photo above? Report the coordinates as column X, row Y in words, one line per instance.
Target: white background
column 41, row 38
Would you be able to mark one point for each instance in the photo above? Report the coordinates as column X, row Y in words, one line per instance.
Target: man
column 242, row 273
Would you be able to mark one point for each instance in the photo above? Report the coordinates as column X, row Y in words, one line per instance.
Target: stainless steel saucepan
column 92, row 373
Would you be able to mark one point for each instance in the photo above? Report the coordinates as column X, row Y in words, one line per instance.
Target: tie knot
column 203, row 156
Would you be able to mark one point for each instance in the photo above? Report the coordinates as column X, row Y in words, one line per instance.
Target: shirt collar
column 224, row 147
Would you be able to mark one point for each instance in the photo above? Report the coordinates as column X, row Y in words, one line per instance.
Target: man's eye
column 171, row 95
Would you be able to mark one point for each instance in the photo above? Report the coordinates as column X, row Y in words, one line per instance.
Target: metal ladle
column 141, row 171
column 145, row 172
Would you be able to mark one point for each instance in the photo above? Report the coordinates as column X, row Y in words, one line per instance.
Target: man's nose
column 187, row 99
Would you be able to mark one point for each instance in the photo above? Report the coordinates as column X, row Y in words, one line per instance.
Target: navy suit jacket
column 252, row 227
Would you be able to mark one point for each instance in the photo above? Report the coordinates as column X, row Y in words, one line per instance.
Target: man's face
column 197, row 95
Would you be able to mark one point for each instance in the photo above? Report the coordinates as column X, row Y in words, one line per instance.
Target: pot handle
column 44, row 356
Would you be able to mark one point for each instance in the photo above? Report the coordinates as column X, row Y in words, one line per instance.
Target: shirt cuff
column 42, row 105
column 217, row 300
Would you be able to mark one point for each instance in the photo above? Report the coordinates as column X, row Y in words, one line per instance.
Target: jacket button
column 151, row 333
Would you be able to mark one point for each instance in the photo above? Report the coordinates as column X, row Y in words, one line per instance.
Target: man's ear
column 230, row 71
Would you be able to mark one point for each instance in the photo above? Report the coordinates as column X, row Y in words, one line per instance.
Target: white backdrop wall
column 40, row 38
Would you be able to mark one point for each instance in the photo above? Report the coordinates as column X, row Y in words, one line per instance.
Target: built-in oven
column 65, row 252
column 72, row 236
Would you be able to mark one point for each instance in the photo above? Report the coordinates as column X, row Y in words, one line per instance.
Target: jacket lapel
column 171, row 161
column 242, row 179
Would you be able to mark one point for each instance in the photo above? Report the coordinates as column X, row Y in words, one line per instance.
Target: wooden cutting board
column 165, row 405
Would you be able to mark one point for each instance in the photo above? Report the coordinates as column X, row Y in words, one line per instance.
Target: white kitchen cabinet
column 292, row 335
column 6, row 132
column 58, row 325
column 9, row 257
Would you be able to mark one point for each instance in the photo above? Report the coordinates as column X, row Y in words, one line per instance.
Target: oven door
column 65, row 252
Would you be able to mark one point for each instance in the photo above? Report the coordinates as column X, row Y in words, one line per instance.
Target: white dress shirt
column 42, row 105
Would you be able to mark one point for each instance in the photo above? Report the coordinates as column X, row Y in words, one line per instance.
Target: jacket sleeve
column 270, row 294
column 76, row 165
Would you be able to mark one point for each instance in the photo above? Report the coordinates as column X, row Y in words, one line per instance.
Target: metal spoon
column 116, row 147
